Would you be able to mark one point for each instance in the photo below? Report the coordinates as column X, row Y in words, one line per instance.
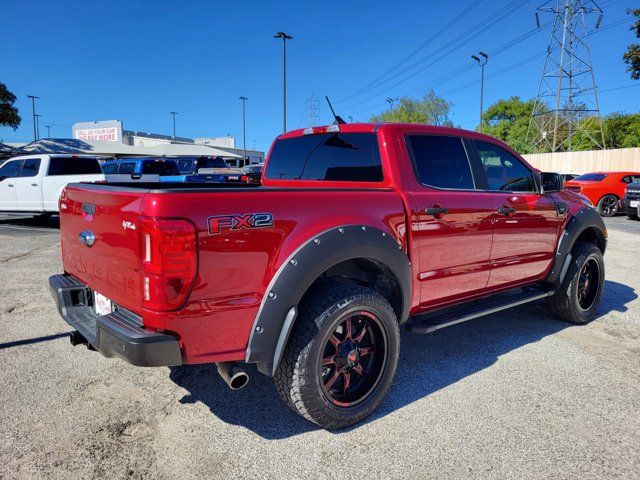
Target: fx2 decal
column 218, row 223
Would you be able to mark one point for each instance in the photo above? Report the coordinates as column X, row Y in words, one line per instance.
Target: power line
column 455, row 73
column 420, row 47
column 620, row 88
column 445, row 78
column 450, row 47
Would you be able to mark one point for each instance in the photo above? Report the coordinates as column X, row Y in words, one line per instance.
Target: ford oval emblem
column 87, row 238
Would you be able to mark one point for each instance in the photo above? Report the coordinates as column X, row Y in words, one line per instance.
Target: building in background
column 109, row 137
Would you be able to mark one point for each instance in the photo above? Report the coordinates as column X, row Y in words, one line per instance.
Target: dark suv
column 631, row 201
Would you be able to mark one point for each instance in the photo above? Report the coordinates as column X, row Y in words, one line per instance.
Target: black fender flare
column 278, row 309
column 587, row 217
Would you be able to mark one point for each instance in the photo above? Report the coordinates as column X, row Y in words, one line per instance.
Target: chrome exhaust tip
column 233, row 375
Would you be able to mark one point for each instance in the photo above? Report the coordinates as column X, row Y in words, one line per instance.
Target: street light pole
column 174, row 123
column 37, row 126
column 48, row 127
column 482, row 62
column 244, row 129
column 390, row 101
column 284, row 38
column 33, row 108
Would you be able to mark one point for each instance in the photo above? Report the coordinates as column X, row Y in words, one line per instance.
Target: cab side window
column 441, row 161
column 504, row 172
column 631, row 179
column 11, row 169
column 127, row 168
column 30, row 167
column 110, row 168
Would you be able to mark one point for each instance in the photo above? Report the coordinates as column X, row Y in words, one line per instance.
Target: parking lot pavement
column 516, row 394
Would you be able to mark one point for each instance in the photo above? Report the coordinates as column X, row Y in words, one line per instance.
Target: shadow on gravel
column 428, row 363
column 29, row 341
column 39, row 221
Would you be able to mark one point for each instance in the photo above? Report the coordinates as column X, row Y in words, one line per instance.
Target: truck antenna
column 338, row 118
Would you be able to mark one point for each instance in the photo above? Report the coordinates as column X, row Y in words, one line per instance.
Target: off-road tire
column 298, row 377
column 565, row 304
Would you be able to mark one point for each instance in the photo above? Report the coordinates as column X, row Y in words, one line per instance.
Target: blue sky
column 138, row 60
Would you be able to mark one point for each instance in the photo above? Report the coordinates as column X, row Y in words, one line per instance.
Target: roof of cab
column 375, row 127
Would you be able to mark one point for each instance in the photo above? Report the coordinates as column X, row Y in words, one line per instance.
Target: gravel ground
column 513, row 395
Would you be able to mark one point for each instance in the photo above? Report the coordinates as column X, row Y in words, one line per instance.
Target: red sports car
column 604, row 189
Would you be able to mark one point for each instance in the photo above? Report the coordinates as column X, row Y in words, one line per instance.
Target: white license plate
column 103, row 304
column 634, row 203
column 233, row 178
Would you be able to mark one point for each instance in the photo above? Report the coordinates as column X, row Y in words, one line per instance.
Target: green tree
column 632, row 55
column 430, row 109
column 508, row 120
column 8, row 113
column 622, row 131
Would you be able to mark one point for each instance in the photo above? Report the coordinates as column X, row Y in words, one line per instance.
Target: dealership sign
column 107, row 134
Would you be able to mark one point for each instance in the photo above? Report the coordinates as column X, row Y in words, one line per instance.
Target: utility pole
column 174, row 123
column 244, row 130
column 284, row 38
column 33, row 108
column 567, row 101
column 37, row 126
column 482, row 62
column 48, row 127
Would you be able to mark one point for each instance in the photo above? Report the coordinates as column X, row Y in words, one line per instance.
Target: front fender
column 582, row 220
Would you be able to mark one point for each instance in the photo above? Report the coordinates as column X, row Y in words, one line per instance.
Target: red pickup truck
column 358, row 230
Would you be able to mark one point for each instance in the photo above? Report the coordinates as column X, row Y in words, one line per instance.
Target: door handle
column 34, row 184
column 436, row 211
column 506, row 210
column 10, row 185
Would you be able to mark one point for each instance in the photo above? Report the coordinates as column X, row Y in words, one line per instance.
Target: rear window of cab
column 347, row 157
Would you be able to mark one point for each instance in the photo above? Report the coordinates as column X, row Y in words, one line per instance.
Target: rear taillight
column 169, row 262
column 244, row 179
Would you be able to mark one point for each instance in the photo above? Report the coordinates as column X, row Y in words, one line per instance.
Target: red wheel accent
column 353, row 358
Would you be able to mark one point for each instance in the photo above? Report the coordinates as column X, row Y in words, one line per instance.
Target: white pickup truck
column 33, row 183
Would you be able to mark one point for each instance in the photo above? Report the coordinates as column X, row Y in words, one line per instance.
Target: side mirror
column 551, row 182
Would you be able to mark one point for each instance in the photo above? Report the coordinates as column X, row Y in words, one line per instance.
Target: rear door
column 29, row 187
column 526, row 222
column 64, row 170
column 451, row 220
column 8, row 174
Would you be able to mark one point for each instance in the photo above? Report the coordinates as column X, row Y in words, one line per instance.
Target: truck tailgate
column 111, row 266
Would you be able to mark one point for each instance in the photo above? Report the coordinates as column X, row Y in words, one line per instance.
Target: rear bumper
column 118, row 334
column 626, row 205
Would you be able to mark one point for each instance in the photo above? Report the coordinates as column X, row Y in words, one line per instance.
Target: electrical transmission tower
column 312, row 111
column 566, row 108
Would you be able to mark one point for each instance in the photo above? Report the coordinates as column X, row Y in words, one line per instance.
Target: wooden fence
column 619, row 159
